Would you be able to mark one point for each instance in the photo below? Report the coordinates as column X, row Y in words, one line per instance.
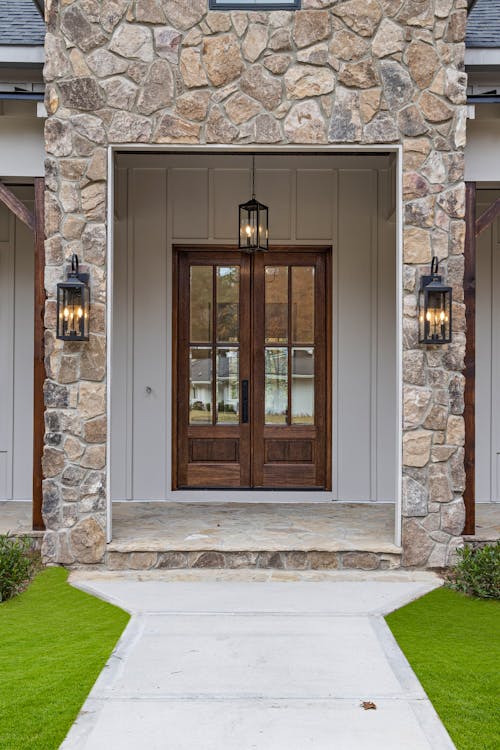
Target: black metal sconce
column 434, row 308
column 253, row 222
column 73, row 305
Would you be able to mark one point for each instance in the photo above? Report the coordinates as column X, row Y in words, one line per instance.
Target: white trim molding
column 482, row 57
column 22, row 54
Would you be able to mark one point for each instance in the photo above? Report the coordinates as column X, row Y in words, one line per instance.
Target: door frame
column 328, row 149
column 327, row 252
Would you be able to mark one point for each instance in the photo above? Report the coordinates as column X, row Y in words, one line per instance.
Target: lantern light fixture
column 434, row 308
column 73, row 305
column 253, row 222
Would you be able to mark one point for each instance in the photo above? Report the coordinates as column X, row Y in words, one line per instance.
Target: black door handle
column 244, row 401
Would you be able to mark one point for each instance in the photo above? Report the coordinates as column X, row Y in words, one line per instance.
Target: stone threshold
column 226, row 547
column 293, row 560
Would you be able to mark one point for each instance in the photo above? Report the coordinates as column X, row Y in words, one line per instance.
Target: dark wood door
column 252, row 390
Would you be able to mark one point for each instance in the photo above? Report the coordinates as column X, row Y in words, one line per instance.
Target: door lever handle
column 244, row 401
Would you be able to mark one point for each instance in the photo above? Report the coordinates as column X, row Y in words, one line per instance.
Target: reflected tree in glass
column 228, row 302
column 200, row 313
column 276, row 385
column 276, row 301
column 302, row 385
column 228, row 382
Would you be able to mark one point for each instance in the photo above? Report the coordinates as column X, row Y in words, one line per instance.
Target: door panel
column 213, row 317
column 253, row 384
column 290, row 393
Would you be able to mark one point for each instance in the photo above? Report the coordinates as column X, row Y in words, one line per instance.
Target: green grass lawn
column 453, row 644
column 54, row 641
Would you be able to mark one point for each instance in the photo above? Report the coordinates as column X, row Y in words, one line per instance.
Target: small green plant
column 477, row 572
column 17, row 564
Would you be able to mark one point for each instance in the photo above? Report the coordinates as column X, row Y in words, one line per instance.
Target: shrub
column 477, row 572
column 17, row 564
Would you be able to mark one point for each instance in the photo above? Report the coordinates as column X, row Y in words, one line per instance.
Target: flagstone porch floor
column 253, row 526
column 290, row 536
column 259, row 535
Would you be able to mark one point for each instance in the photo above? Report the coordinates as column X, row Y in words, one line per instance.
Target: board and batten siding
column 16, row 354
column 343, row 201
column 488, row 355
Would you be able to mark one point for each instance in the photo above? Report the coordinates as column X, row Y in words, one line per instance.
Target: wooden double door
column 253, row 369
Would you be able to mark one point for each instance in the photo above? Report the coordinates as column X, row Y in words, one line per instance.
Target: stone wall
column 169, row 71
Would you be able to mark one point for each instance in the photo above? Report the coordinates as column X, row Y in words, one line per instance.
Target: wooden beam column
column 470, row 358
column 39, row 354
column 17, row 207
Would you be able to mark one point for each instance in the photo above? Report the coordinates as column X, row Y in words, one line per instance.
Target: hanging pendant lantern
column 434, row 308
column 73, row 305
column 253, row 222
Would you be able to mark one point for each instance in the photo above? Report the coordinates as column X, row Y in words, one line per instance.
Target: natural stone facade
column 336, row 72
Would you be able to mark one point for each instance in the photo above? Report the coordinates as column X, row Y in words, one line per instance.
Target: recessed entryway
column 345, row 202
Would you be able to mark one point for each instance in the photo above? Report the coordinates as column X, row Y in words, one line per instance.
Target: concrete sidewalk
column 215, row 661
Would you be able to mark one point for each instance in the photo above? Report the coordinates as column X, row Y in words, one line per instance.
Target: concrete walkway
column 240, row 661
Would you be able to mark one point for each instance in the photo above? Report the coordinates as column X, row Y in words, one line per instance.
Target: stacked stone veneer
column 275, row 560
column 169, row 71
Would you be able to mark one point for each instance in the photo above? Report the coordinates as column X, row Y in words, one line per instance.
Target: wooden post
column 470, row 358
column 39, row 353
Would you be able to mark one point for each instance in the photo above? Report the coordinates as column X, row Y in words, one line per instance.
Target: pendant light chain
column 253, row 175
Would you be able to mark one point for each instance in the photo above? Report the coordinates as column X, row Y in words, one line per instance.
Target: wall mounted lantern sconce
column 434, row 308
column 73, row 305
column 253, row 222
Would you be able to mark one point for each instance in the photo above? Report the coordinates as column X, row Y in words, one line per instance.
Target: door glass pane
column 200, row 385
column 276, row 285
column 303, row 305
column 302, row 386
column 200, row 297
column 276, row 385
column 228, row 303
column 228, row 385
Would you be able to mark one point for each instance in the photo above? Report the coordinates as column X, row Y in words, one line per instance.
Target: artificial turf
column 54, row 641
column 453, row 644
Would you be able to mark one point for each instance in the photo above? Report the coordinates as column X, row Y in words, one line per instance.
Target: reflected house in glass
column 201, row 386
column 214, row 350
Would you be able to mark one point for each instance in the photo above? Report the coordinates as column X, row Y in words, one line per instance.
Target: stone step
column 347, row 559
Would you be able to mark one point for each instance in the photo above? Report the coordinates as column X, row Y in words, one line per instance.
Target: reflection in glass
column 200, row 297
column 228, row 298
column 200, row 385
column 276, row 385
column 228, row 385
column 303, row 304
column 302, row 386
column 276, row 300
